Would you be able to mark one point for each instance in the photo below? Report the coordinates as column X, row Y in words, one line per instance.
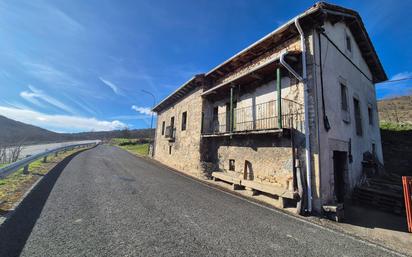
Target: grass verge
column 134, row 146
column 14, row 186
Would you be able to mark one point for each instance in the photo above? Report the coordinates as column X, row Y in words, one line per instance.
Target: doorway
column 340, row 169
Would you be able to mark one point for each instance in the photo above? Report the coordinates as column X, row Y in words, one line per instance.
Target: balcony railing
column 263, row 116
column 170, row 133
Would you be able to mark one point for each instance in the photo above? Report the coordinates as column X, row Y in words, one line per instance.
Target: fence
column 407, row 193
column 263, row 116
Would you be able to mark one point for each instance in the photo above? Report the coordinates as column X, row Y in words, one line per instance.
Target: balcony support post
column 279, row 97
column 231, row 112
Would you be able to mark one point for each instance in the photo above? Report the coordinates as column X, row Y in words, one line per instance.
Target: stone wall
column 184, row 152
column 269, row 155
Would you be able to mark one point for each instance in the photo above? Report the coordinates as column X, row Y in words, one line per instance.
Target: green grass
column 117, row 141
column 395, row 126
column 14, row 185
column 139, row 149
column 3, row 164
column 134, row 147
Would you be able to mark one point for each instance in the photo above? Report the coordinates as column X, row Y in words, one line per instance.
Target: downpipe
column 303, row 79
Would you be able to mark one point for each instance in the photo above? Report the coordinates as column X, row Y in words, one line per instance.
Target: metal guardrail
column 24, row 163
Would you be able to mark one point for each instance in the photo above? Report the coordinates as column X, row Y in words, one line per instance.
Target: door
column 340, row 169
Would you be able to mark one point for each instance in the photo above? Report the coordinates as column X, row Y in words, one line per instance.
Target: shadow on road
column 371, row 218
column 16, row 230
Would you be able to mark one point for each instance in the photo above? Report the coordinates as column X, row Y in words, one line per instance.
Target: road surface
column 107, row 202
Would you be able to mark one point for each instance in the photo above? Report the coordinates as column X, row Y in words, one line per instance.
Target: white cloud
column 37, row 97
column 402, row 75
column 111, row 85
column 60, row 122
column 142, row 110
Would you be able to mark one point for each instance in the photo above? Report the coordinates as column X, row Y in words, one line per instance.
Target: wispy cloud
column 38, row 97
column 64, row 123
column 402, row 75
column 142, row 110
column 111, row 85
column 50, row 74
column 65, row 18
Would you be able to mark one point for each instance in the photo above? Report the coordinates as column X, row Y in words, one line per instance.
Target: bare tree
column 3, row 154
column 14, row 153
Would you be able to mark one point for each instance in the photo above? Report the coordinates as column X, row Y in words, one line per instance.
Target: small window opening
column 170, row 149
column 370, row 115
column 344, row 97
column 163, row 128
column 172, row 122
column 358, row 117
column 184, row 120
column 232, row 165
column 348, row 43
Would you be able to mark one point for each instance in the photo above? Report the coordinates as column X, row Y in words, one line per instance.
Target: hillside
column 396, row 110
column 15, row 132
column 396, row 131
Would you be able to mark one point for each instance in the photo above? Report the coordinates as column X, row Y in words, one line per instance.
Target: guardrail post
column 26, row 169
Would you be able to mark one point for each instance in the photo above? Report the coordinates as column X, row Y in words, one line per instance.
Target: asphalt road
column 107, row 202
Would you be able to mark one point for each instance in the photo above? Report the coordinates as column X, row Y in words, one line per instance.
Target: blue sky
column 81, row 65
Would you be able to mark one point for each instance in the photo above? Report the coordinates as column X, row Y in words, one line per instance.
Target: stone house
column 291, row 115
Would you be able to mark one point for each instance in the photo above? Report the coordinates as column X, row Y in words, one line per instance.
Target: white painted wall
column 337, row 69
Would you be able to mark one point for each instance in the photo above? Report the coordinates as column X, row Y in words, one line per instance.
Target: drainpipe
column 303, row 79
column 307, row 132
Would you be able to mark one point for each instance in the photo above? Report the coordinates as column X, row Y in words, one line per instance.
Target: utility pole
column 151, row 122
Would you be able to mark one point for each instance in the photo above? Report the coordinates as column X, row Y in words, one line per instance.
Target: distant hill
column 395, row 115
column 14, row 132
column 396, row 110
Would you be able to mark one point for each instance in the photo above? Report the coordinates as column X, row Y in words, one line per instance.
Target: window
column 358, row 117
column 163, row 128
column 348, row 43
column 170, row 149
column 232, row 165
column 370, row 115
column 184, row 120
column 202, row 122
column 172, row 122
column 344, row 97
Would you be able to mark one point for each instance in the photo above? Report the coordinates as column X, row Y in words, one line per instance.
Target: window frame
column 348, row 42
column 184, row 121
column 357, row 116
column 344, row 103
column 232, row 165
column 344, row 94
column 371, row 115
column 163, row 127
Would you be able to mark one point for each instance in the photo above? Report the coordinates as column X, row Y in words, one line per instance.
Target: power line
column 395, row 80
